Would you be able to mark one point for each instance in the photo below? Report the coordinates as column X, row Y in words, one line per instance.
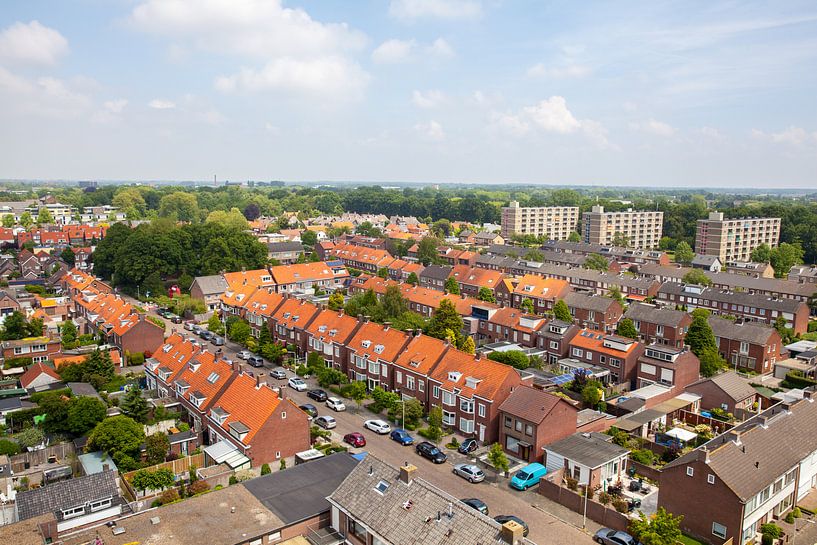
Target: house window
column 409, row 382
column 554, row 345
column 73, row 512
column 578, row 352
column 481, row 410
column 508, row 421
column 529, row 430
column 449, row 418
column 690, row 471
column 448, row 398
column 399, row 377
column 710, row 479
column 518, row 426
column 466, row 426
column 421, row 385
column 274, row 536
column 435, row 391
column 719, row 530
column 283, row 415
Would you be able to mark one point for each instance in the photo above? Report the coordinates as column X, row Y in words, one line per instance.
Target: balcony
column 324, row 536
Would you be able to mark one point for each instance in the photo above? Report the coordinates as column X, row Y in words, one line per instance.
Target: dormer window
column 322, row 329
column 238, row 430
column 366, row 344
column 167, row 348
column 454, row 376
column 219, row 415
column 182, row 386
column 471, row 382
column 287, row 315
column 379, row 349
column 333, row 332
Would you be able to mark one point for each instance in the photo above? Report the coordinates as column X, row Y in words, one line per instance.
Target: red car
column 355, row 439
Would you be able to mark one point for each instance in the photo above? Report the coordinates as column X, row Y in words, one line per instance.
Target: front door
column 524, row 452
column 481, row 433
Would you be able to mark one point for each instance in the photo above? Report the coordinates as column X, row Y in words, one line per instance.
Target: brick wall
column 606, row 516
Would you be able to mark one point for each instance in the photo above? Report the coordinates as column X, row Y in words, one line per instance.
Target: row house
column 576, row 260
column 629, row 256
column 659, row 325
column 116, row 322
column 554, row 339
column 168, row 362
column 359, row 257
column 235, row 298
column 594, row 311
column 400, row 270
column 289, row 322
column 258, row 423
column 510, row 324
column 469, row 390
column 753, row 474
column 209, row 289
column 328, row 334
column 83, row 235
column 8, row 304
column 618, row 355
column 372, row 352
column 435, row 276
column 200, row 383
column 39, row 349
column 328, row 276
column 471, row 279
column 415, row 363
column 542, row 292
column 76, row 282
column 285, row 253
column 454, row 257
column 675, row 368
column 376, row 243
column 259, row 308
column 82, row 258
column 739, row 304
column 30, row 265
column 747, row 346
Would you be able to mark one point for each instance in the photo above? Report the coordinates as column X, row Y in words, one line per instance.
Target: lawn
column 686, row 540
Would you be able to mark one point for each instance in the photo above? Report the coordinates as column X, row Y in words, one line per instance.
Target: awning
column 681, row 434
column 225, row 453
column 634, row 297
column 524, row 444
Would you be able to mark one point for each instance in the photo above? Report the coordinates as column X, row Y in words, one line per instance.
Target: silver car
column 470, row 472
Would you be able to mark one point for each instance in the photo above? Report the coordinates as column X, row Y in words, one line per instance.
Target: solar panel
column 562, row 379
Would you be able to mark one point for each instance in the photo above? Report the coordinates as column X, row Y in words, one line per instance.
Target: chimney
column 478, row 356
column 407, row 473
column 236, row 366
column 386, row 326
column 512, row 532
column 260, row 379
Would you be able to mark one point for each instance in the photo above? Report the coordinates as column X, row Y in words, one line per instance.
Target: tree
column 699, row 335
column 68, row 255
column 383, row 272
column 435, row 423
column 26, row 220
column 592, row 393
column 485, row 294
column 468, row 345
column 684, row 253
column 526, row 306
column 444, row 321
column 214, row 324
column 68, row 334
column 84, row 413
column 534, row 255
column 660, row 528
column 412, row 279
column 596, row 262
column 784, row 257
column 252, row 211
column 427, row 251
column 574, row 237
column 145, row 479
column 698, row 277
column 134, row 405
column 356, row 391
column 180, row 206
column 44, row 216
column 239, row 331
column 156, row 448
column 265, row 469
column 562, row 312
column 309, row 238
column 498, row 459
column 667, row 243
column 711, row 362
column 335, row 301
column 626, row 328
column 130, row 201
column 8, row 448
column 515, row 358
column 383, row 400
column 100, row 363
column 621, row 240
column 761, row 254
column 233, row 219
column 8, row 221
column 451, row 286
column 15, row 326
column 117, row 434
column 393, row 304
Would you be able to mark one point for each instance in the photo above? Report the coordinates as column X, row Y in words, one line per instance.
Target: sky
column 659, row 94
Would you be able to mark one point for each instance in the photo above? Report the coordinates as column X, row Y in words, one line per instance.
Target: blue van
column 528, row 476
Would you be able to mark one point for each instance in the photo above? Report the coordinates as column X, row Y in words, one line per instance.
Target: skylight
column 381, row 487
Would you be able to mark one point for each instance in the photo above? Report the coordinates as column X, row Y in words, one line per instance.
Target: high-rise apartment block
column 552, row 222
column 734, row 240
column 642, row 229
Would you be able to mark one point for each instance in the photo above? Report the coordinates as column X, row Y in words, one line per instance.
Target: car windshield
column 521, row 475
column 433, row 450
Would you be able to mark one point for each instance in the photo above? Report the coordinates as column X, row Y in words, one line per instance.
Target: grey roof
column 80, row 389
column 588, row 449
column 731, row 384
column 751, row 332
column 589, row 302
column 731, row 280
column 436, row 272
column 211, row 285
column 705, row 260
column 287, row 246
column 769, row 444
column 655, row 315
column 181, row 437
column 406, row 514
column 301, row 491
column 734, row 297
column 61, row 495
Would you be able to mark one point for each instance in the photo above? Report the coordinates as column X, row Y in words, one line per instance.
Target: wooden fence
column 179, row 467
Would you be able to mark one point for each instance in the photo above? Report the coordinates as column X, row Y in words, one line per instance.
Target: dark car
column 475, row 503
column 468, row 446
column 317, row 395
column 309, row 409
column 429, row 451
column 256, row 361
column 402, row 437
column 355, row 439
column 176, row 319
column 502, row 519
column 606, row 536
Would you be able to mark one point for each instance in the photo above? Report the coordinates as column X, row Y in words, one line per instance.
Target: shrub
column 233, row 480
column 572, row 483
column 9, row 447
column 302, row 371
column 283, row 465
column 789, row 517
column 620, row 505
column 198, row 487
column 169, row 496
column 643, row 456
column 605, row 498
column 796, row 513
column 766, row 539
column 771, row 529
column 265, row 469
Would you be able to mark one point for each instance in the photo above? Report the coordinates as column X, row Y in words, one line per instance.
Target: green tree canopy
column 698, row 277
column 134, row 405
column 157, row 447
column 180, row 206
column 445, row 321
column 117, row 434
column 684, row 253
column 660, row 528
column 626, row 328
column 596, row 262
column 562, row 312
column 427, row 251
column 485, row 294
column 412, row 279
column 514, row 358
column 84, row 413
column 451, row 285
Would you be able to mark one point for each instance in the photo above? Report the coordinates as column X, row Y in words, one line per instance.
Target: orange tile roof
column 263, row 302
column 476, row 276
column 328, row 321
column 257, row 277
column 59, row 361
column 510, row 317
column 375, row 335
column 362, row 254
column 206, row 375
column 592, row 339
column 294, row 312
column 421, row 353
column 237, row 296
column 174, row 355
column 35, row 371
column 305, row 272
column 248, row 404
column 489, row 374
column 544, row 288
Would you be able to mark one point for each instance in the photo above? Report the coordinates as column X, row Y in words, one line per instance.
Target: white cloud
column 429, row 99
column 509, row 123
column 162, row 104
column 115, row 106
column 331, row 76
column 552, row 115
column 394, row 52
column 567, row 71
column 431, row 130
column 32, row 43
column 43, row 97
column 653, row 126
column 711, row 133
column 410, row 10
column 795, row 136
column 441, row 49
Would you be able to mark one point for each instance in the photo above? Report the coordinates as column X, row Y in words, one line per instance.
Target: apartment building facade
column 643, row 229
column 552, row 222
column 734, row 239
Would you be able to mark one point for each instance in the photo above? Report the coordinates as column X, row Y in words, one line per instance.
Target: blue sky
column 490, row 91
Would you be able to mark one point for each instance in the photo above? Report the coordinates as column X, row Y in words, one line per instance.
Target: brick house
column 39, row 349
column 199, row 384
column 373, row 349
column 414, row 365
column 434, row 277
column 39, row 376
column 251, row 417
column 529, row 419
column 618, row 355
column 136, row 335
column 659, row 325
column 542, row 292
column 675, row 368
column 471, row 279
column 727, row 391
column 555, row 339
column 259, row 307
column 746, row 345
column 328, row 276
column 510, row 324
column 590, row 458
column 593, row 311
column 208, row 289
column 470, row 390
column 328, row 334
column 290, row 320
column 166, row 363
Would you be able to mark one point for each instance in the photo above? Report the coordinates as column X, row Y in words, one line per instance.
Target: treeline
column 143, row 259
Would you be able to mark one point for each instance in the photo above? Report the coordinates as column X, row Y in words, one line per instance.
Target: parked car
column 476, row 503
column 317, row 395
column 502, row 519
column 189, row 326
column 204, row 334
column 431, row 452
column 309, row 409
column 606, row 536
column 217, row 341
column 244, row 354
column 355, row 439
column 278, row 373
column 402, row 437
column 378, row 426
column 176, row 319
column 326, row 422
column 335, row 404
column 196, row 329
column 528, row 476
column 469, row 472
column 468, row 446
column 297, row 384
column 256, row 361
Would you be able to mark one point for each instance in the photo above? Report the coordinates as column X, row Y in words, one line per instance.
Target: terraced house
column 328, row 334
column 747, row 346
column 199, row 384
column 372, row 352
column 259, row 308
column 414, row 365
column 542, row 292
column 594, row 311
column 167, row 363
column 510, row 324
column 659, row 325
column 290, row 320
